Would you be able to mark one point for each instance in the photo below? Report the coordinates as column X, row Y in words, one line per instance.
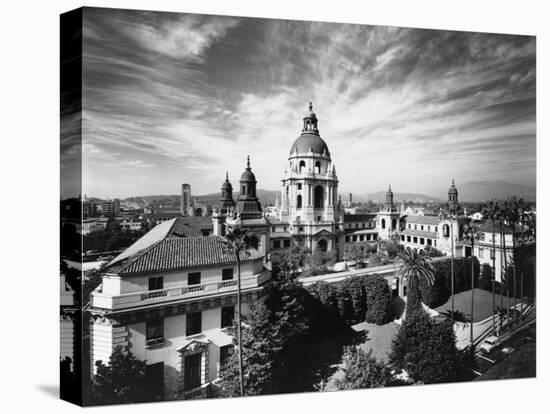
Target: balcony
column 130, row 300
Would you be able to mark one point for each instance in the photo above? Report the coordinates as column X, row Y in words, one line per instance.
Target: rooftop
column 171, row 254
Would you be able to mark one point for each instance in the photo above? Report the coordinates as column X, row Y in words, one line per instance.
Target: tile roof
column 352, row 218
column 177, row 254
column 420, row 233
column 434, row 220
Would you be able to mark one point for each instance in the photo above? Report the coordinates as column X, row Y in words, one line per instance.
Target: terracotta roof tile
column 179, row 253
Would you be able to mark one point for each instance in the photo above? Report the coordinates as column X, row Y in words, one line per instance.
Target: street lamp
column 470, row 232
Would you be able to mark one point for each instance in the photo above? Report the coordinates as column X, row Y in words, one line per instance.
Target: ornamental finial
column 310, row 106
column 226, row 176
column 248, row 162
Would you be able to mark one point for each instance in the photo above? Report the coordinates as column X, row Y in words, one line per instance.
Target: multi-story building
column 110, row 208
column 360, row 230
column 503, row 244
column 169, row 299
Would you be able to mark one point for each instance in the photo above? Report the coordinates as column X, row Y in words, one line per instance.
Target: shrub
column 378, row 301
column 355, row 299
column 425, row 348
column 362, row 370
column 437, row 294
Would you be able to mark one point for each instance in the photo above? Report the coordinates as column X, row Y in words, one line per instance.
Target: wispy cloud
column 187, row 97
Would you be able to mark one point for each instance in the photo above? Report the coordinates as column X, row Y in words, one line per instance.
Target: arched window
column 302, row 165
column 383, row 223
column 299, row 201
column 318, row 197
column 318, row 167
column 446, row 230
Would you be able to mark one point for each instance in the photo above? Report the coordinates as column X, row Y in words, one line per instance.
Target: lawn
column 483, row 304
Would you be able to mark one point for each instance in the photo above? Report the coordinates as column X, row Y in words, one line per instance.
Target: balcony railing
column 128, row 300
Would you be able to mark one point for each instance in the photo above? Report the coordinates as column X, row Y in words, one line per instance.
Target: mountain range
column 471, row 191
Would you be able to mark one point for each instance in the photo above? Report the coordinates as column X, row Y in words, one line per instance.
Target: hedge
column 438, row 294
column 355, row 299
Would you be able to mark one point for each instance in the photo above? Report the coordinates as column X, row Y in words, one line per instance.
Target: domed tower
column 226, row 201
column 309, row 192
column 387, row 220
column 389, row 198
column 248, row 204
column 453, row 197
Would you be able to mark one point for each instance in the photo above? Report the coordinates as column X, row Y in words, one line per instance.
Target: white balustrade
column 106, row 301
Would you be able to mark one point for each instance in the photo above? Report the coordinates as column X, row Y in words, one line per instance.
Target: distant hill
column 486, row 190
column 380, row 197
column 266, row 197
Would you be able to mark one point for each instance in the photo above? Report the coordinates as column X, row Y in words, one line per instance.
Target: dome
column 452, row 189
column 309, row 140
column 248, row 175
column 226, row 184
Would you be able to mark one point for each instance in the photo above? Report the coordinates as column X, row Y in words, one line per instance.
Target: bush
column 425, row 348
column 438, row 293
column 362, row 370
column 355, row 299
column 379, row 301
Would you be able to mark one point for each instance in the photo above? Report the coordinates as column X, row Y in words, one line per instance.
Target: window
column 318, row 197
column 225, row 353
column 299, row 201
column 446, row 230
column 383, row 223
column 409, row 239
column 415, row 226
column 194, row 278
column 429, row 242
column 301, row 228
column 299, row 186
column 286, row 243
column 318, row 218
column 228, row 315
column 347, row 239
column 421, row 227
column 429, row 228
column 154, row 331
column 227, row 274
column 192, row 375
column 409, row 225
column 415, row 239
column 361, row 237
column 156, row 283
column 273, row 229
column 422, row 240
column 402, row 238
column 194, row 323
column 363, row 225
column 277, row 244
column 317, row 167
column 356, row 225
column 354, row 238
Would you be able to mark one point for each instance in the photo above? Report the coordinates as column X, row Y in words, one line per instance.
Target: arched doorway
column 322, row 245
column 302, row 166
column 318, row 197
column 299, row 201
column 383, row 223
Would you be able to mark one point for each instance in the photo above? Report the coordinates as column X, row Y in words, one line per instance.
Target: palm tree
column 414, row 267
column 516, row 206
column 450, row 214
column 491, row 210
column 503, row 217
column 238, row 242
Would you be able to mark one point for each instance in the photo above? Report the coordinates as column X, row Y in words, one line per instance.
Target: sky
column 182, row 98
